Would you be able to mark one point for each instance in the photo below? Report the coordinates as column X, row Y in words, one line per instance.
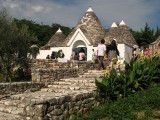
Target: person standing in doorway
column 76, row 57
column 81, row 54
column 72, row 55
column 93, row 55
column 100, row 53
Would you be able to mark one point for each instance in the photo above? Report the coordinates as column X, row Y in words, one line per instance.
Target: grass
column 143, row 105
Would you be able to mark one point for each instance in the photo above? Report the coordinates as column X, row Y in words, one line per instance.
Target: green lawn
column 143, row 105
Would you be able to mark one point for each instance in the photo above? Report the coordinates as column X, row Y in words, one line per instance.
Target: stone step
column 83, row 80
column 71, row 87
column 69, row 91
column 11, row 109
column 63, row 91
column 91, row 76
column 10, row 102
column 17, row 97
column 94, row 73
column 6, row 116
column 89, row 84
column 72, row 83
column 62, row 83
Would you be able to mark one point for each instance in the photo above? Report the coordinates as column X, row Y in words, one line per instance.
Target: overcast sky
column 135, row 13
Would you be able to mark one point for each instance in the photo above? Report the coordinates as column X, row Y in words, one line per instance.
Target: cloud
column 37, row 8
column 135, row 13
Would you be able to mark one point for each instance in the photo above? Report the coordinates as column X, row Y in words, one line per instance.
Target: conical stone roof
column 57, row 40
column 122, row 34
column 91, row 27
column 158, row 39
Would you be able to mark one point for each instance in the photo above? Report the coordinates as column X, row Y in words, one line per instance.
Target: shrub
column 138, row 75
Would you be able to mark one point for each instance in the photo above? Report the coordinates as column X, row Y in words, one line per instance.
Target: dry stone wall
column 51, row 75
column 54, row 64
column 59, row 108
column 19, row 87
column 49, row 70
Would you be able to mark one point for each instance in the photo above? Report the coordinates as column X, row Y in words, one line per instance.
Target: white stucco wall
column 66, row 50
column 125, row 53
column 43, row 54
column 128, row 53
column 121, row 48
column 78, row 40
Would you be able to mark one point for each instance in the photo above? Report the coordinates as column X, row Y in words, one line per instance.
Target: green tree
column 14, row 45
column 43, row 32
column 157, row 34
column 137, row 35
column 145, row 36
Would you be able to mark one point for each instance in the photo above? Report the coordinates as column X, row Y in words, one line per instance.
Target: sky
column 135, row 13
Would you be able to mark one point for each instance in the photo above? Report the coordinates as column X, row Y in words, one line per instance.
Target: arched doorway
column 78, row 46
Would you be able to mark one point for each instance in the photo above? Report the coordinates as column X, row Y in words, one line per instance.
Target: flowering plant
column 106, row 70
column 146, row 53
column 114, row 60
column 156, row 54
column 139, row 53
column 119, row 63
column 143, row 57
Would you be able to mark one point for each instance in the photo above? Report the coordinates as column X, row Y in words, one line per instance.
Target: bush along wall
column 138, row 75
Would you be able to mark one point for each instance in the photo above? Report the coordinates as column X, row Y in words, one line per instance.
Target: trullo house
column 87, row 34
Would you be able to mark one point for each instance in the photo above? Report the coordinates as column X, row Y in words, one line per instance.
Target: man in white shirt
column 100, row 52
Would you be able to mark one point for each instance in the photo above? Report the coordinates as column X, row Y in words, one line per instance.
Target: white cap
column 114, row 24
column 122, row 23
column 90, row 9
column 59, row 30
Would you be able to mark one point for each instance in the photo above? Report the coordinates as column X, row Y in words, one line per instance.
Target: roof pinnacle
column 122, row 23
column 90, row 9
column 59, row 30
column 114, row 24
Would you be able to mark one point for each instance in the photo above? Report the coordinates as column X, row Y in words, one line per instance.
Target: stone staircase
column 93, row 74
column 19, row 107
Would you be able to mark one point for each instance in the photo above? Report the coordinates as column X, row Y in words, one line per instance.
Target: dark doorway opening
column 77, row 50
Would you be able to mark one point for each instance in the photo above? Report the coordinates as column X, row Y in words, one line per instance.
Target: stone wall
column 60, row 108
column 49, row 70
column 54, row 64
column 19, row 87
column 50, row 75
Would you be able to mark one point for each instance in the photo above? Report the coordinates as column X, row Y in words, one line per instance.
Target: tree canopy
column 14, row 44
column 146, row 35
column 43, row 32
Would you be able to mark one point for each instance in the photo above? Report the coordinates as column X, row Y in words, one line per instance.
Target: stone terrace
column 60, row 100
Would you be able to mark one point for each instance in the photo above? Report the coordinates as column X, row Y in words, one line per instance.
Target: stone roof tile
column 91, row 27
column 57, row 40
column 122, row 34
